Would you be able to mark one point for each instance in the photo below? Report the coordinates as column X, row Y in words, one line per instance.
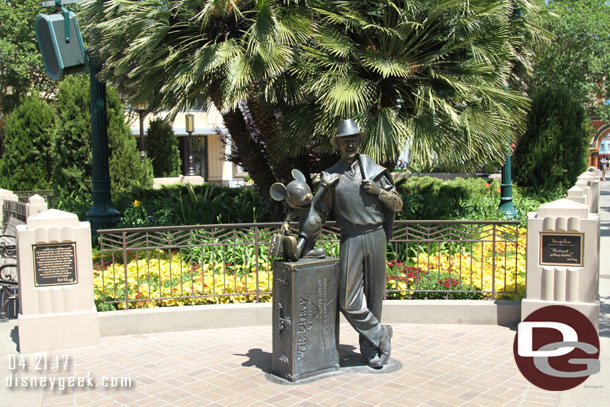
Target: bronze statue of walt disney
column 363, row 200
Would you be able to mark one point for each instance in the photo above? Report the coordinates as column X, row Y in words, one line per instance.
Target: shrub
column 26, row 163
column 72, row 143
column 162, row 149
column 553, row 151
column 190, row 205
column 463, row 199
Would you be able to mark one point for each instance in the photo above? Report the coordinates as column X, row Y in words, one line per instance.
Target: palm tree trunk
column 265, row 121
column 250, row 153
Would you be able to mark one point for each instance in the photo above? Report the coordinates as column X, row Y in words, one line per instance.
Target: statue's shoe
column 375, row 362
column 385, row 345
column 290, row 247
column 316, row 253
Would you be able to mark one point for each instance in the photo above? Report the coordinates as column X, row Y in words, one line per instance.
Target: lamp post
column 102, row 214
column 63, row 55
column 141, row 109
column 506, row 207
column 190, row 128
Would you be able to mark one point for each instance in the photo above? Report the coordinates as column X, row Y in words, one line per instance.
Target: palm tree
column 183, row 53
column 430, row 75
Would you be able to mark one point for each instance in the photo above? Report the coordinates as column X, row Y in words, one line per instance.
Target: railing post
column 124, row 243
column 493, row 264
column 36, row 204
column 256, row 248
column 6, row 195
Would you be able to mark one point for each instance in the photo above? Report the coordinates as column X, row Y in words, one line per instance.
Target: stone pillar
column 584, row 185
column 576, row 194
column 36, row 204
column 6, row 195
column 55, row 283
column 563, row 259
column 592, row 181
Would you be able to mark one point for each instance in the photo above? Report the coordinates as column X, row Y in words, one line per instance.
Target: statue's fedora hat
column 346, row 128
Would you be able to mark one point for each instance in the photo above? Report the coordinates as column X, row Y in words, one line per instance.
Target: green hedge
column 424, row 198
column 26, row 163
column 461, row 199
column 191, row 205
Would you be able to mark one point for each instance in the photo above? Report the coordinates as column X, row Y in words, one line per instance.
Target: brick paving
column 442, row 365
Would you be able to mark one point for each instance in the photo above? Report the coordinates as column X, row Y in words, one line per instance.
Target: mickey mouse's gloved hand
column 329, row 179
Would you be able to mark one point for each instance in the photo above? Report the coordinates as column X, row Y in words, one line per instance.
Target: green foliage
column 578, row 58
column 424, row 198
column 26, row 163
column 553, row 151
column 188, row 205
column 162, row 149
column 127, row 170
column 72, row 143
column 427, row 198
column 429, row 75
column 71, row 148
column 75, row 203
column 21, row 67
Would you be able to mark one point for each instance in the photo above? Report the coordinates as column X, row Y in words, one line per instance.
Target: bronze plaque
column 55, row 264
column 561, row 249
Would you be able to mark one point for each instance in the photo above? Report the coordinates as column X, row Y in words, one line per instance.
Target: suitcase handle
column 282, row 321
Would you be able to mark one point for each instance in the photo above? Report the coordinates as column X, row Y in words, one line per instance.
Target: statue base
column 305, row 328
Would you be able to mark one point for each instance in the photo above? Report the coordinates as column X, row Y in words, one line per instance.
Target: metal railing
column 25, row 195
column 14, row 209
column 230, row 263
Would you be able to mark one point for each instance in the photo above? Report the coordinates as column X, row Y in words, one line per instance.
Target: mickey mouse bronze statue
column 298, row 196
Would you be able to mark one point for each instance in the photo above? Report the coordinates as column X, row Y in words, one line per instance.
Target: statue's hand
column 370, row 187
column 285, row 228
column 329, row 179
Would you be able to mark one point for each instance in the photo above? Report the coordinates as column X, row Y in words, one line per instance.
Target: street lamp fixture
column 190, row 128
column 141, row 108
column 506, row 207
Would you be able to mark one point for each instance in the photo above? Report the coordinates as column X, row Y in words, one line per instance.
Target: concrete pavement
column 442, row 365
column 595, row 392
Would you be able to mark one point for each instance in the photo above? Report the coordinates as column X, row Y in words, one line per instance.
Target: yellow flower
column 136, row 203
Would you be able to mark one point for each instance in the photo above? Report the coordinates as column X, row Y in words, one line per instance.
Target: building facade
column 210, row 146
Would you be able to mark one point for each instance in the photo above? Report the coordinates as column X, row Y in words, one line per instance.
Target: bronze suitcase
column 304, row 317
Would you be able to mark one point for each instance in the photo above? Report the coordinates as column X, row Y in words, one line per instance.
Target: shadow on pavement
column 604, row 317
column 257, row 358
column 348, row 357
column 15, row 337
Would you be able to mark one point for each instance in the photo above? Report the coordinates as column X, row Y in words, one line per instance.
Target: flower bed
column 462, row 275
column 168, row 278
column 175, row 282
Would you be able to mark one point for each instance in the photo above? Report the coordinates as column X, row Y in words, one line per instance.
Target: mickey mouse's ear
column 298, row 175
column 278, row 191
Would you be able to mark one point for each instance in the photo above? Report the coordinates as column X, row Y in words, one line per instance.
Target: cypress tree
column 72, row 143
column 553, row 151
column 26, row 163
column 162, row 149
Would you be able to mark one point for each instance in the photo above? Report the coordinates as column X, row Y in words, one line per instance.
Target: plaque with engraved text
column 561, row 249
column 55, row 264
